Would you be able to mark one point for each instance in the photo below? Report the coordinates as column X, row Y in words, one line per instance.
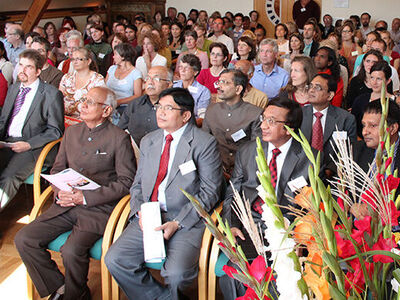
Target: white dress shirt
column 176, row 135
column 280, row 159
column 324, row 112
column 15, row 128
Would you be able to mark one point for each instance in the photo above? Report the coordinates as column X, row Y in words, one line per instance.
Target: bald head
column 246, row 67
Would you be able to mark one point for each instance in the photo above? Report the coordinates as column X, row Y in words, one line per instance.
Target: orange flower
column 303, row 231
column 303, row 197
column 314, row 277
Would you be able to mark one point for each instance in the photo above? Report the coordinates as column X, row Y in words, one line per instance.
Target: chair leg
column 30, row 288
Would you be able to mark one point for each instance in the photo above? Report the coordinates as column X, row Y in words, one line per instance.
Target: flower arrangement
column 337, row 248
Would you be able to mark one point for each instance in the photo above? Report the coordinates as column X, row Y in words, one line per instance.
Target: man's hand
column 73, row 198
column 237, row 232
column 169, row 229
column 20, row 147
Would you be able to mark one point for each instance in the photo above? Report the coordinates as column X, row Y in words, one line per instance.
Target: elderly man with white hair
column 102, row 152
column 74, row 41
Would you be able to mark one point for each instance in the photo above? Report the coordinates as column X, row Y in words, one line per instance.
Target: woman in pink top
column 218, row 61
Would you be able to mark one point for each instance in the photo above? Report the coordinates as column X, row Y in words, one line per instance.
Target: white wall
column 378, row 9
column 235, row 6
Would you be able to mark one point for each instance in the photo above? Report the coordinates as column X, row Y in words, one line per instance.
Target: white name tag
column 238, row 135
column 193, row 89
column 101, row 55
column 342, row 135
column 187, row 167
column 354, row 53
column 178, row 51
column 303, row 9
column 297, row 183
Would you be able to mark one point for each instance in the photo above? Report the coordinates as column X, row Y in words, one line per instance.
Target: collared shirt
column 176, row 135
column 395, row 36
column 324, row 112
column 15, row 128
column 224, row 39
column 364, row 31
column 232, row 126
column 307, row 48
column 13, row 53
column 269, row 83
column 139, row 118
column 201, row 96
column 280, row 159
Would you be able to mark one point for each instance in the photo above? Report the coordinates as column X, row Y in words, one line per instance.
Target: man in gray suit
column 291, row 165
column 194, row 165
column 323, row 121
column 32, row 116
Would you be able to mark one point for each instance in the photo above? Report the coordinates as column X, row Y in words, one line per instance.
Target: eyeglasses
column 90, row 102
column 78, row 59
column 270, row 121
column 316, row 87
column 155, row 79
column 165, row 107
column 216, row 54
column 224, row 82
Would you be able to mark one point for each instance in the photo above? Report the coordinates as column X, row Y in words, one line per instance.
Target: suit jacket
column 314, row 48
column 335, row 118
column 244, row 177
column 103, row 154
column 204, row 183
column 45, row 119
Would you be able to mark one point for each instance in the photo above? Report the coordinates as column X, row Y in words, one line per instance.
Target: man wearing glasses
column 139, row 118
column 14, row 42
column 233, row 121
column 177, row 156
column 322, row 122
column 289, row 171
column 102, row 152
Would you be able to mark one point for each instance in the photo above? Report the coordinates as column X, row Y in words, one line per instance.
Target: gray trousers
column 125, row 261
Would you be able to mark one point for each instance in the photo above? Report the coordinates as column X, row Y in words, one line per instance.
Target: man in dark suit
column 102, row 152
column 311, row 45
column 32, row 116
column 177, row 156
column 322, row 122
column 284, row 155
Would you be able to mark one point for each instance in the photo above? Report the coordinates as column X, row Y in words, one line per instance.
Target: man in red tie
column 177, row 156
column 289, row 171
column 322, row 122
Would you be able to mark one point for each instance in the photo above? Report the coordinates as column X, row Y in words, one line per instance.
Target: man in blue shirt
column 268, row 76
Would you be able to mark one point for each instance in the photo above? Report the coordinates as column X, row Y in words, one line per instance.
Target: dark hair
column 2, row 49
column 309, row 69
column 262, row 28
column 294, row 116
column 224, row 50
column 384, row 67
column 119, row 36
column 254, row 11
column 120, row 24
column 393, row 116
column 365, row 13
column 42, row 41
column 239, row 78
column 238, row 15
column 379, row 40
column 70, row 21
column 385, row 24
column 31, row 34
column 183, row 14
column 97, row 26
column 357, row 18
column 193, row 61
column 230, row 15
column 362, row 74
column 249, row 41
column 35, row 56
column 334, row 67
column 131, row 26
column 310, row 22
column 331, row 81
column 300, row 38
column 140, row 18
column 182, row 97
column 284, row 27
column 194, row 10
column 47, row 25
column 181, row 38
column 127, row 52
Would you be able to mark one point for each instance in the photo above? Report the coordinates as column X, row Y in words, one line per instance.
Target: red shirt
column 208, row 80
column 338, row 98
column 3, row 89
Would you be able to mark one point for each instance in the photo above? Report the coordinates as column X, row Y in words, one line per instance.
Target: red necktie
column 162, row 170
column 274, row 176
column 317, row 140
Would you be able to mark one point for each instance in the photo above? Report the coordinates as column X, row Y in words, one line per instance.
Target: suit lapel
column 35, row 102
column 306, row 127
column 7, row 109
column 154, row 159
column 287, row 169
column 330, row 123
column 182, row 151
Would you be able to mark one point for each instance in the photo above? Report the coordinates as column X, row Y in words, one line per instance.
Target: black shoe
column 56, row 296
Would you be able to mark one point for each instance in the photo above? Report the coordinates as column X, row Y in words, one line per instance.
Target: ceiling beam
column 34, row 14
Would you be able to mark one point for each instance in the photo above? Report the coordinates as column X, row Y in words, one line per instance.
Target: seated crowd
column 192, row 94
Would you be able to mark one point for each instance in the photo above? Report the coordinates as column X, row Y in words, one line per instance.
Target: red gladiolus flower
column 394, row 214
column 229, row 270
column 250, row 295
column 345, row 247
column 382, row 145
column 259, row 270
column 388, row 162
column 356, row 278
column 384, row 244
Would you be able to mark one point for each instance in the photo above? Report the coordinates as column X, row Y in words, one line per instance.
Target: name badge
column 193, row 89
column 101, row 55
column 297, row 183
column 178, row 51
column 354, row 53
column 339, row 135
column 303, row 9
column 238, row 135
column 187, row 167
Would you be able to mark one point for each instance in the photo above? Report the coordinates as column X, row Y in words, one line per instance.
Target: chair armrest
column 39, row 203
column 39, row 167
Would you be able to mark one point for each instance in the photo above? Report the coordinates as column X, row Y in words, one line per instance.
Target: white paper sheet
column 69, row 178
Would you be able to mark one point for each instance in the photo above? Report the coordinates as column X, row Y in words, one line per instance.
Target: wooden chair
column 203, row 260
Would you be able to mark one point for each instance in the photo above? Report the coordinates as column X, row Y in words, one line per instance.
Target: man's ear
column 331, row 95
column 393, row 129
column 186, row 116
column 107, row 111
column 238, row 89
